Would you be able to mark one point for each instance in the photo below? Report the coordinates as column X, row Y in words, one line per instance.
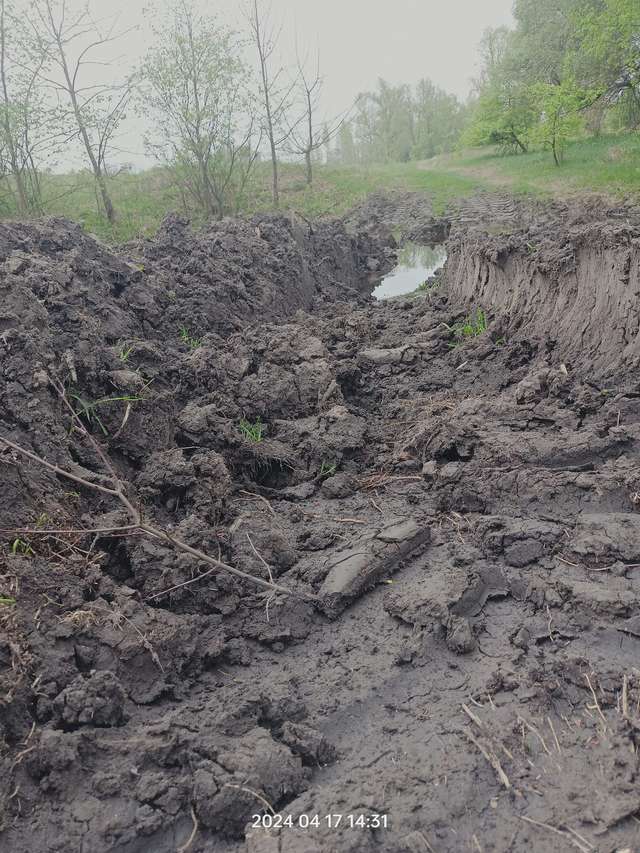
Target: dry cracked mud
column 461, row 512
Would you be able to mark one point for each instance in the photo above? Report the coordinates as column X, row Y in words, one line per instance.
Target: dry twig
column 117, row 490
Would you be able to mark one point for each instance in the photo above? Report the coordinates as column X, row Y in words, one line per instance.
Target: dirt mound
column 456, row 511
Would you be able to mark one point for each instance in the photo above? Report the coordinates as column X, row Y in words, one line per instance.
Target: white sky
column 359, row 41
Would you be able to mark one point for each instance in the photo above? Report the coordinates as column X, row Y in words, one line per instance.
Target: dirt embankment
column 577, row 286
column 463, row 510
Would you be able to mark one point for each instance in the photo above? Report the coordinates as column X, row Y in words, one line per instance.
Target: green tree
column 606, row 52
column 27, row 125
column 66, row 43
column 196, row 91
column 560, row 119
column 438, row 120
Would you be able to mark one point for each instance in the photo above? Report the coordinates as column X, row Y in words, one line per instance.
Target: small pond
column 416, row 263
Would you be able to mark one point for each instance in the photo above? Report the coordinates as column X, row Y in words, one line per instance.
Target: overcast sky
column 359, row 41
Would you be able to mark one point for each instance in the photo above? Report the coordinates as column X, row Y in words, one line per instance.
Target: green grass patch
column 471, row 327
column 20, row 548
column 143, row 200
column 253, row 432
column 88, row 409
column 608, row 164
column 187, row 338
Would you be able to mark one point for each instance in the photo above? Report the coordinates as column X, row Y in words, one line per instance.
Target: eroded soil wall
column 577, row 288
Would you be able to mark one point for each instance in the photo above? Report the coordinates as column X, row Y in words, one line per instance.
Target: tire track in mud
column 467, row 689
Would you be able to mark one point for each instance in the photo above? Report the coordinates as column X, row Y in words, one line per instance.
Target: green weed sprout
column 252, row 431
column 472, row 326
column 327, row 469
column 21, row 548
column 188, row 339
column 88, row 408
column 125, row 352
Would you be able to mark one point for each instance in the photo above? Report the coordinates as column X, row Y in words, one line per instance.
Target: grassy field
column 609, row 165
column 143, row 199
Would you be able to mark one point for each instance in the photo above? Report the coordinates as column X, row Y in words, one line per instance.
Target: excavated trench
column 452, row 477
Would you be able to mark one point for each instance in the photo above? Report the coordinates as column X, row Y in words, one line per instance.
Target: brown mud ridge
column 465, row 514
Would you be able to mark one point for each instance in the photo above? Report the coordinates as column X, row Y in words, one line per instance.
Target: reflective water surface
column 415, row 264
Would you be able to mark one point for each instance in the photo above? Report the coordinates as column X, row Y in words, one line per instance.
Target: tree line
column 400, row 123
column 212, row 113
column 568, row 66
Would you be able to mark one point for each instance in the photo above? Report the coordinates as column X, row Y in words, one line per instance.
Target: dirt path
column 491, row 176
column 465, row 511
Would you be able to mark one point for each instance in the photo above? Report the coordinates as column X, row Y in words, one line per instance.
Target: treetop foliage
column 567, row 66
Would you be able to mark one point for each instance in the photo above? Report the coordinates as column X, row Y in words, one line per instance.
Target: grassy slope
column 143, row 199
column 609, row 165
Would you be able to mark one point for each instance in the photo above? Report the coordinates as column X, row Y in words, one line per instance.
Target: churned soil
column 457, row 517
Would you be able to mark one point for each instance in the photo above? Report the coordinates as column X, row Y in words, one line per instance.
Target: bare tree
column 67, row 43
column 275, row 94
column 23, row 136
column 196, row 91
column 304, row 136
column 8, row 135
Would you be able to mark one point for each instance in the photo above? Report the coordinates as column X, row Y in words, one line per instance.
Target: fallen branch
column 117, row 490
column 492, row 758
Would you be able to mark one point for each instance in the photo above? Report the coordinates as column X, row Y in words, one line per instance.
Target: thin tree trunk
column 518, row 142
column 307, row 153
column 95, row 165
column 264, row 74
column 309, row 164
column 270, row 133
column 21, row 192
column 274, row 169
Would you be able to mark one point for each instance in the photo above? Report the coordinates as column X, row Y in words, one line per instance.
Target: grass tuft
column 187, row 338
column 472, row 326
column 253, row 432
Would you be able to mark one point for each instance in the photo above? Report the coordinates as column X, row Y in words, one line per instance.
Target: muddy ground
column 459, row 669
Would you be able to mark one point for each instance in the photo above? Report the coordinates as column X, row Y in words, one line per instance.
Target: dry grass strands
column 378, row 481
column 570, row 834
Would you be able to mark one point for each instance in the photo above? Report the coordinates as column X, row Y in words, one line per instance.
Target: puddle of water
column 416, row 263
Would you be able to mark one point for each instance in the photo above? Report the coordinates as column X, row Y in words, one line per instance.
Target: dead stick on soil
column 37, row 531
column 194, row 831
column 259, row 498
column 493, row 760
column 576, row 843
column 179, row 585
column 261, row 558
column 555, row 736
column 534, row 731
column 118, row 491
column 596, row 705
column 625, row 697
column 472, row 716
column 255, row 794
column 268, row 568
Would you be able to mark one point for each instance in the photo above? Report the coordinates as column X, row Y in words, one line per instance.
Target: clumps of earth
column 453, row 518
